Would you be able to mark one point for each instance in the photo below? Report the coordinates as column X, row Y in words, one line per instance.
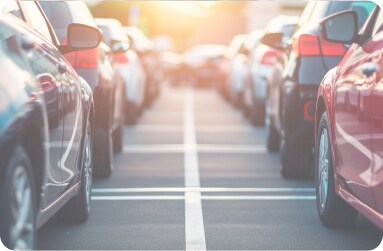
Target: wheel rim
column 21, row 204
column 88, row 167
column 323, row 167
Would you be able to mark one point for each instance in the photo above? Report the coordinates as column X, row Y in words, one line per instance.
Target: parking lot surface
column 194, row 174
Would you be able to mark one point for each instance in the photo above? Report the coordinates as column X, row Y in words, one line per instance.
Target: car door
column 375, row 70
column 38, row 54
column 71, row 96
column 354, row 145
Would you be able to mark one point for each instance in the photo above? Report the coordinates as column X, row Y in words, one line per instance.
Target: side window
column 14, row 9
column 35, row 18
column 378, row 27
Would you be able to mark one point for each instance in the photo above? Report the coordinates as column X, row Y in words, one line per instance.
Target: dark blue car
column 46, row 126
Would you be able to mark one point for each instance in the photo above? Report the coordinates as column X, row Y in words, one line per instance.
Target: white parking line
column 200, row 129
column 193, row 199
column 205, row 148
column 202, row 189
column 194, row 226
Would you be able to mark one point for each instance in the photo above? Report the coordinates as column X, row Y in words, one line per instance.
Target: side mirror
column 341, row 27
column 118, row 47
column 81, row 37
column 274, row 40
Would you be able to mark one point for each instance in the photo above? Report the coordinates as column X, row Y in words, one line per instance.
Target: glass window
column 59, row 16
column 36, row 19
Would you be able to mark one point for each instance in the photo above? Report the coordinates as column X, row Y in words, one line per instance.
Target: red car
column 349, row 124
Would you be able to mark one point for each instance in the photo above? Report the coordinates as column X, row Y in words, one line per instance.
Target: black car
column 107, row 85
column 294, row 83
column 46, row 125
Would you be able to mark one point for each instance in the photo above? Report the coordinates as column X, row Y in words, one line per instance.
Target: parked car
column 94, row 66
column 294, row 84
column 150, row 60
column 172, row 66
column 252, row 41
column 349, row 146
column 261, row 63
column 46, row 125
column 203, row 64
column 237, row 56
column 128, row 64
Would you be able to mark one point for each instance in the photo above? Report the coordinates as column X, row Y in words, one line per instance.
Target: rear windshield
column 60, row 14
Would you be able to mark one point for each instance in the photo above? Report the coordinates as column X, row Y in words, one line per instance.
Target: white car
column 128, row 63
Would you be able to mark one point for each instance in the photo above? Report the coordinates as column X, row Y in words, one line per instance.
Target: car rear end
column 264, row 58
column 309, row 59
column 313, row 57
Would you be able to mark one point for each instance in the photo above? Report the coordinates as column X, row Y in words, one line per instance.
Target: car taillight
column 120, row 58
column 332, row 49
column 313, row 45
column 270, row 57
column 83, row 59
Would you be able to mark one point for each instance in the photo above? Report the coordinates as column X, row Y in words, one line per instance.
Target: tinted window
column 59, row 16
column 288, row 30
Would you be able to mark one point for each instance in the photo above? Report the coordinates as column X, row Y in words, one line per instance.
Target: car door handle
column 370, row 69
column 61, row 66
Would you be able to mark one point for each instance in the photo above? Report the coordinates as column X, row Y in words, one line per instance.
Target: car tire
column 257, row 113
column 332, row 210
column 118, row 134
column 296, row 159
column 273, row 139
column 131, row 113
column 13, row 198
column 77, row 209
column 103, row 153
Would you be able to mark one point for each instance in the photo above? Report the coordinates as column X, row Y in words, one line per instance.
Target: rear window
column 61, row 14
column 288, row 30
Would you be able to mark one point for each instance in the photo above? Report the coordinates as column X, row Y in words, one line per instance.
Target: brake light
column 120, row 58
column 270, row 57
column 332, row 49
column 83, row 59
column 313, row 45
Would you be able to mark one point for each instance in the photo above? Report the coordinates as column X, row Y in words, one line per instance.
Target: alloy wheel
column 323, row 168
column 21, row 205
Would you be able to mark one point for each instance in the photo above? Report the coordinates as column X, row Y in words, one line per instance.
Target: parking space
column 148, row 202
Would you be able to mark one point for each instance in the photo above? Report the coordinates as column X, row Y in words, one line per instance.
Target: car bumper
column 299, row 104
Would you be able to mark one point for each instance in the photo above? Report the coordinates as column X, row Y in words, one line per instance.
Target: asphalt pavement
column 194, row 174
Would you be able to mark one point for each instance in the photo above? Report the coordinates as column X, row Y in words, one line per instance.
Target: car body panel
column 352, row 97
column 48, row 104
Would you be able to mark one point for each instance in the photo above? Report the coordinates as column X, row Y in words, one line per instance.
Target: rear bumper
column 298, row 111
column 103, row 104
